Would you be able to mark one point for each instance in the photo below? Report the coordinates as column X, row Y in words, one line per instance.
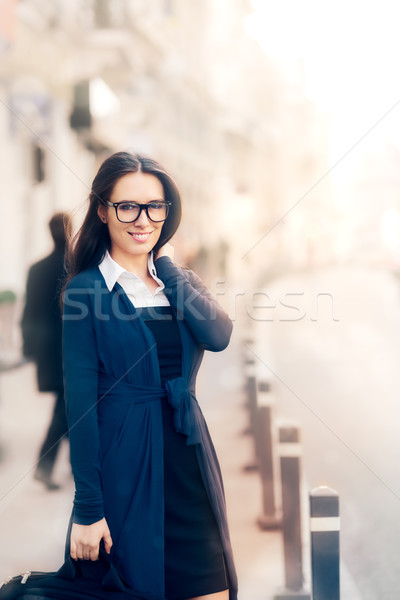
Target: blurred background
column 280, row 123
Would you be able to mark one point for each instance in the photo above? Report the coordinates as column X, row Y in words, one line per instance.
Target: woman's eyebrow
column 136, row 202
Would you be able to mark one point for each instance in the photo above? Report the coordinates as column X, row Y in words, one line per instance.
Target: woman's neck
column 134, row 263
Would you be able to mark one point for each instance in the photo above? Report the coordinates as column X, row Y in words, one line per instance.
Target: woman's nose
column 143, row 219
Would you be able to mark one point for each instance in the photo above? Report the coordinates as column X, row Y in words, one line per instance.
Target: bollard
column 251, row 389
column 249, row 372
column 289, row 450
column 269, row 519
column 325, row 531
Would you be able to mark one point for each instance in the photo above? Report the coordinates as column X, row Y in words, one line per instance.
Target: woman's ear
column 102, row 212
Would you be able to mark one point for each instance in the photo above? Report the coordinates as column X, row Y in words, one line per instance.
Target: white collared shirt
column 136, row 290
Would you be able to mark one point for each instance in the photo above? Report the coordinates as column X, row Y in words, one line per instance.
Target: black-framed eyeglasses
column 128, row 212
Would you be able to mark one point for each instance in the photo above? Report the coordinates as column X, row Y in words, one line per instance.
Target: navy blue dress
column 118, row 405
column 194, row 561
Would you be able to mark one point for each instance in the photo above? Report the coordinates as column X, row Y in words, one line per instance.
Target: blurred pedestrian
column 147, row 480
column 42, row 340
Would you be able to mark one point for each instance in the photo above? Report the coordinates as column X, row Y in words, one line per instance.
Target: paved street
column 337, row 375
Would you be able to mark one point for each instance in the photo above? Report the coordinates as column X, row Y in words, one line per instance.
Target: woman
column 135, row 327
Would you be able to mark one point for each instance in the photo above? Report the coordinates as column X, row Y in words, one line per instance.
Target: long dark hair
column 90, row 244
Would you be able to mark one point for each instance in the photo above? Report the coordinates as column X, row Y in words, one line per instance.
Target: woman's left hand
column 85, row 540
column 166, row 250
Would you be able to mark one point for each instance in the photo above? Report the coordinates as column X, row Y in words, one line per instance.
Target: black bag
column 75, row 580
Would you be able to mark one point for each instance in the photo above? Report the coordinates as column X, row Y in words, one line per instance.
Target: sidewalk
column 33, row 522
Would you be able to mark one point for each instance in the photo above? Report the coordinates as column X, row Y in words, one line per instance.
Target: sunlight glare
column 350, row 52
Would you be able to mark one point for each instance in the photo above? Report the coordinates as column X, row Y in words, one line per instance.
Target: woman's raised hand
column 85, row 540
column 166, row 250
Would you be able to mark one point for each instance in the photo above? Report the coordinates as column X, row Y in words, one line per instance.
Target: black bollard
column 289, row 450
column 251, row 395
column 325, row 532
column 270, row 519
column 251, row 388
column 249, row 373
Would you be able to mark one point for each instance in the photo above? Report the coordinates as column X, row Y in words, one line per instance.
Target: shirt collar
column 112, row 271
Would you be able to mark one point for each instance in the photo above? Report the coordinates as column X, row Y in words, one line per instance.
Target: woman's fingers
column 107, row 541
column 94, row 551
column 86, row 553
column 73, row 553
column 166, row 250
column 94, row 554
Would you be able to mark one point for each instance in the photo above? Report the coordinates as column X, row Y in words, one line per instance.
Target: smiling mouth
column 140, row 237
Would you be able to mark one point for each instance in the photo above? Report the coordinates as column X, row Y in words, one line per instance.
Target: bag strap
column 112, row 580
column 70, row 570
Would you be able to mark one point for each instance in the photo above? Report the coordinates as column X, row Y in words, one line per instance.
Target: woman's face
column 141, row 236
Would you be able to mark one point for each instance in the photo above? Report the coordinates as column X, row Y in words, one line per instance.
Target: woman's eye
column 156, row 205
column 128, row 206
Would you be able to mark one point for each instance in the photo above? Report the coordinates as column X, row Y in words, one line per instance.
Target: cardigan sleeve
column 207, row 321
column 81, row 364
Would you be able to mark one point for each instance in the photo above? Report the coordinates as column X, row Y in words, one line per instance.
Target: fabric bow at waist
column 179, row 395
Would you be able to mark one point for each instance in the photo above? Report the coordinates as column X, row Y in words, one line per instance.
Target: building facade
column 175, row 79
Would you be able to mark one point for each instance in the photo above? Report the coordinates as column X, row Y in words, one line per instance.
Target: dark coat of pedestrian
column 42, row 339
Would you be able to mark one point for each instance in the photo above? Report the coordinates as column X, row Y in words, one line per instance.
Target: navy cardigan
column 113, row 398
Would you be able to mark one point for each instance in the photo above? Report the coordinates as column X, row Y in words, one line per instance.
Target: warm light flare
column 350, row 52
